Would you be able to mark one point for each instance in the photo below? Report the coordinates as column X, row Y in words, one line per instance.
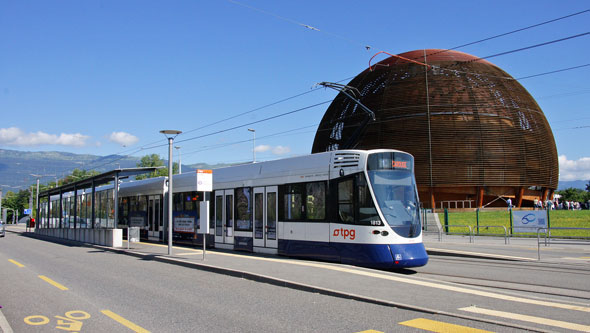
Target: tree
column 588, row 186
column 78, row 175
column 154, row 160
column 572, row 194
column 17, row 202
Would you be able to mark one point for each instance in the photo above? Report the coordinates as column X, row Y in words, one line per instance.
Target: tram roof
column 98, row 180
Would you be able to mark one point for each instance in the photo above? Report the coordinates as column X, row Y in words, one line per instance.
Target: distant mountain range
column 581, row 184
column 17, row 167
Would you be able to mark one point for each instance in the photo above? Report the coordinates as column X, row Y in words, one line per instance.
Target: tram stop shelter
column 53, row 222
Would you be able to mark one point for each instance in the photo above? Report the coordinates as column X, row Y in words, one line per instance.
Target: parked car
column 2, row 229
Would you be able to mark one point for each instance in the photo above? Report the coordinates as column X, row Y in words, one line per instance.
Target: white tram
column 355, row 207
column 350, row 206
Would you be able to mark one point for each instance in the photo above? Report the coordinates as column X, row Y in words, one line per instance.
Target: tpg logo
column 528, row 218
column 346, row 233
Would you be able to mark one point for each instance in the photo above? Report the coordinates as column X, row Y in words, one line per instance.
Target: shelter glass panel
column 110, row 209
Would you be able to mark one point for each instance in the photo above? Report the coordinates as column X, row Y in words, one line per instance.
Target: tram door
column 265, row 216
column 155, row 221
column 224, row 217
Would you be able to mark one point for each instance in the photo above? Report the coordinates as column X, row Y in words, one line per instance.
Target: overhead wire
column 255, row 122
column 530, row 47
column 512, row 32
column 307, row 26
column 134, row 151
column 222, row 145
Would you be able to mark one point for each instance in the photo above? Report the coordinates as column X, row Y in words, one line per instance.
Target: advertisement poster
column 528, row 221
column 184, row 224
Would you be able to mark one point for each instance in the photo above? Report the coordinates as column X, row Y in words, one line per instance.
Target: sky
column 104, row 77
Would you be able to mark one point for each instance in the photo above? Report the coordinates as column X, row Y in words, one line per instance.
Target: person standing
column 509, row 203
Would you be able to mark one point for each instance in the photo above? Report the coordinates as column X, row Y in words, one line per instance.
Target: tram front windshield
column 392, row 180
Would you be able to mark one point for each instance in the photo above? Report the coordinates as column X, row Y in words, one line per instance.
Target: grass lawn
column 489, row 222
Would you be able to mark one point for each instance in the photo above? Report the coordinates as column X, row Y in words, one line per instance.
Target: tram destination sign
column 204, row 180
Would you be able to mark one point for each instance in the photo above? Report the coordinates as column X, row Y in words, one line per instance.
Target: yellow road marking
column 370, row 331
column 531, row 319
column 16, row 263
column 581, row 258
column 53, row 283
column 124, row 322
column 36, row 320
column 416, row 282
column 439, row 326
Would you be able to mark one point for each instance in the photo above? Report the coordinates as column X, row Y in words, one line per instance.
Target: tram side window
column 293, row 202
column 355, row 204
column 346, row 201
column 315, row 205
column 177, row 202
column 367, row 213
column 243, row 209
column 191, row 200
column 303, row 202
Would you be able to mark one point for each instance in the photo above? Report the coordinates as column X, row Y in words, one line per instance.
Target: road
column 48, row 287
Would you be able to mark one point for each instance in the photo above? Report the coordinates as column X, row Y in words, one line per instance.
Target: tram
column 349, row 206
column 352, row 206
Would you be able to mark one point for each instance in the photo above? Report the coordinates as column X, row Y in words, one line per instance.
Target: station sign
column 204, row 180
column 27, row 211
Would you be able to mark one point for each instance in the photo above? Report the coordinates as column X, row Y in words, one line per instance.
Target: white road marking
column 530, row 319
column 4, row 325
column 481, row 254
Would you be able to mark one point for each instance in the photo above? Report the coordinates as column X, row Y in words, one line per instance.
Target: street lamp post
column 170, row 135
column 179, row 160
column 253, row 145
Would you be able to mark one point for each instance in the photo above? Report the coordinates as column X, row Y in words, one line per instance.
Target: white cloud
column 277, row 150
column 122, row 138
column 14, row 136
column 574, row 170
column 281, row 150
column 262, row 148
